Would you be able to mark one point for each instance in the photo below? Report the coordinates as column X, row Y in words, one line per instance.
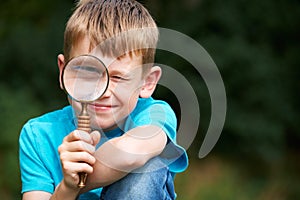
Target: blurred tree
column 255, row 45
column 31, row 35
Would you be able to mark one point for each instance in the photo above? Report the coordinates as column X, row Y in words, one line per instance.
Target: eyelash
column 118, row 78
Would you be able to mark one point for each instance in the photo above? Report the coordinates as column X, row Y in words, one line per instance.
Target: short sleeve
column 159, row 113
column 34, row 174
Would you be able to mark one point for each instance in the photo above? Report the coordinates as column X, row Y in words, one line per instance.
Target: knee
column 153, row 165
column 154, row 181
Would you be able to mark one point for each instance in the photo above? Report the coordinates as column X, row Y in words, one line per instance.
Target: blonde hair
column 117, row 27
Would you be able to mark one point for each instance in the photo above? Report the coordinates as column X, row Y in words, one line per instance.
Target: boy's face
column 119, row 100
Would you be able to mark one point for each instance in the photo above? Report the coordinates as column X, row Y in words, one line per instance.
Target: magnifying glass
column 85, row 79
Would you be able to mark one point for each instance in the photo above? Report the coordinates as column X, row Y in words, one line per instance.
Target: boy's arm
column 120, row 155
column 61, row 192
column 76, row 154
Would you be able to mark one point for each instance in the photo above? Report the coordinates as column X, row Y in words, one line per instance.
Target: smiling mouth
column 101, row 107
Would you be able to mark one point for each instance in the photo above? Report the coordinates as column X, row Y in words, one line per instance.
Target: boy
column 135, row 156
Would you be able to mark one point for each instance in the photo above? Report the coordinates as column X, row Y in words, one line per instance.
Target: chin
column 103, row 126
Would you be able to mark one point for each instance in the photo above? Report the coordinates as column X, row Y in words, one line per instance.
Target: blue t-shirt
column 40, row 137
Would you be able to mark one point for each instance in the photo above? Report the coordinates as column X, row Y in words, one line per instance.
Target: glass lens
column 85, row 78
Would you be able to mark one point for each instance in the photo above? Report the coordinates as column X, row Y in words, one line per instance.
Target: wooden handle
column 83, row 125
column 82, row 179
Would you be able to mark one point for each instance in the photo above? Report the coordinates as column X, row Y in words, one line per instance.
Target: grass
column 214, row 178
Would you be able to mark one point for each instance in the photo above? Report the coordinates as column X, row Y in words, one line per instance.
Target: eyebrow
column 119, row 71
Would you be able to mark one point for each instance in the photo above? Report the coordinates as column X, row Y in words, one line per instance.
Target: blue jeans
column 155, row 183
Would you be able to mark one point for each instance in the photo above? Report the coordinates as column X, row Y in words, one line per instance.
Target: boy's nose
column 108, row 92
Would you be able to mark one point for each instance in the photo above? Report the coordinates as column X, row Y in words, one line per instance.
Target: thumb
column 95, row 135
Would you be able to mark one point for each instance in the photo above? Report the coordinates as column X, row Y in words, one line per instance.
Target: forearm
column 112, row 164
column 121, row 155
column 102, row 176
column 133, row 149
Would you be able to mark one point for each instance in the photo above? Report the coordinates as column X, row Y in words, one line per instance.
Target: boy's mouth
column 100, row 107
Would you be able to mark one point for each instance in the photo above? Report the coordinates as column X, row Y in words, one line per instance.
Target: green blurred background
column 255, row 45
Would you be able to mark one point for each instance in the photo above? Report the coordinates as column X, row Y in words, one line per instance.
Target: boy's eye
column 118, row 78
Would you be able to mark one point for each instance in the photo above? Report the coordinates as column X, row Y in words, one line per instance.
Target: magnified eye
column 85, row 78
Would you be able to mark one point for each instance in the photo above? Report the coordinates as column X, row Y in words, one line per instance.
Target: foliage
column 255, row 45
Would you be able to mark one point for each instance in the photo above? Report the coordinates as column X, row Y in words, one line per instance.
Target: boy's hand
column 76, row 155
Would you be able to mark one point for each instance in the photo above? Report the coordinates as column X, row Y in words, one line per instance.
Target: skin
column 130, row 151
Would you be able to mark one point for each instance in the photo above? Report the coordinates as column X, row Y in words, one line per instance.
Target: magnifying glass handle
column 83, row 125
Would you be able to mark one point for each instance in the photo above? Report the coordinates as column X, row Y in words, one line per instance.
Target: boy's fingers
column 77, row 146
column 95, row 136
column 75, row 167
column 78, row 157
column 79, row 135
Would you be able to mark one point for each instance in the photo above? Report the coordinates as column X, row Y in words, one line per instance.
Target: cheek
column 132, row 99
column 75, row 105
column 127, row 91
column 128, row 95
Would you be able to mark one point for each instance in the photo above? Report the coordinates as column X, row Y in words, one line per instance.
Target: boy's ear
column 61, row 65
column 150, row 82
